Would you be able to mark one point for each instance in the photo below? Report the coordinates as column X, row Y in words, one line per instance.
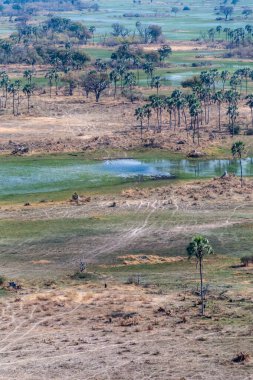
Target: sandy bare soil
column 64, row 124
column 72, row 330
column 122, row 332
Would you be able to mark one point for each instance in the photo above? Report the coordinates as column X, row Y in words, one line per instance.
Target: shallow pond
column 27, row 176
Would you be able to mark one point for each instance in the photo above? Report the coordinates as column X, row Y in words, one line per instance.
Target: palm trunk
column 219, row 107
column 115, row 89
column 201, row 288
column 241, row 169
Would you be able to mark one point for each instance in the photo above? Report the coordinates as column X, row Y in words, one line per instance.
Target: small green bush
column 246, row 260
column 87, row 276
column 234, row 130
column 249, row 132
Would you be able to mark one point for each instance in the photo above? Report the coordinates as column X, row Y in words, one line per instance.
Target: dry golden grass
column 131, row 331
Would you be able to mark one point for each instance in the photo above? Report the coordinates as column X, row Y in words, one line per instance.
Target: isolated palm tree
column 200, row 247
column 237, row 149
column 50, row 76
column 92, row 30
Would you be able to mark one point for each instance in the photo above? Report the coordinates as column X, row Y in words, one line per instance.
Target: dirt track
column 86, row 332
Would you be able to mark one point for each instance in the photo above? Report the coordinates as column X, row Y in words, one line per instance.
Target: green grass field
column 186, row 25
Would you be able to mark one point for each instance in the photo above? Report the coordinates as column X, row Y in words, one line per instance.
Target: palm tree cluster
column 235, row 37
column 14, row 89
column 211, row 92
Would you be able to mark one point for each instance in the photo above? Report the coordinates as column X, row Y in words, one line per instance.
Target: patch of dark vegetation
column 86, row 276
column 242, row 357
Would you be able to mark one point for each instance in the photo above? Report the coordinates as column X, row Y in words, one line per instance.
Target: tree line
column 211, row 92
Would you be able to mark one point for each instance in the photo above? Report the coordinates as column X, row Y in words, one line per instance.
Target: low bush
column 249, row 132
column 246, row 260
column 234, row 130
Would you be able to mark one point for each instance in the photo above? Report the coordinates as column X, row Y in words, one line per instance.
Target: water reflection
column 36, row 176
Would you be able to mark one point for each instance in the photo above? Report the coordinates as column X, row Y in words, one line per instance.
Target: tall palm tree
column 28, row 74
column 156, row 83
column 218, row 98
column 237, row 149
column 178, row 98
column 4, row 84
column 148, row 114
column 200, row 247
column 140, row 115
column 28, row 90
column 92, row 30
column 114, row 77
column 224, row 77
column 50, row 76
column 246, row 72
column 249, row 103
column 157, row 103
column 148, row 68
column 170, row 106
column 130, row 81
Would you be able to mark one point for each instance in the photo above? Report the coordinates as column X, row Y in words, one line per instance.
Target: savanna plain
column 126, row 191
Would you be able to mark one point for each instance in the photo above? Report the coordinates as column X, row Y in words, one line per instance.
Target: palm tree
column 114, row 77
column 4, row 84
column 237, row 149
column 232, row 113
column 156, row 83
column 137, row 64
column 170, row 106
column 218, row 98
column 246, row 72
column 178, row 99
column 140, row 114
column 28, row 74
column 28, row 91
column 148, row 113
column 224, row 77
column 200, row 247
column 92, row 29
column 50, row 76
column 157, row 104
column 14, row 89
column 130, row 81
column 249, row 103
column 219, row 29
column 194, row 110
column 148, row 68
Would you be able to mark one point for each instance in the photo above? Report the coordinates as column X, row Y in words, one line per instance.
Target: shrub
column 84, row 276
column 132, row 95
column 249, row 132
column 246, row 260
column 234, row 129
